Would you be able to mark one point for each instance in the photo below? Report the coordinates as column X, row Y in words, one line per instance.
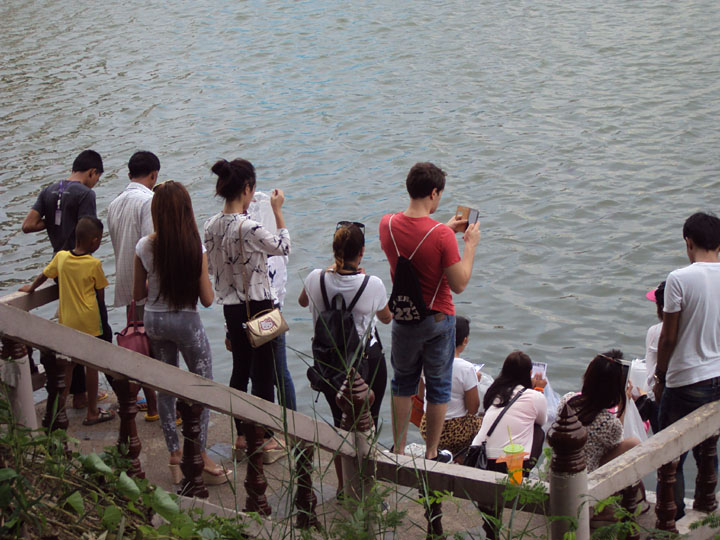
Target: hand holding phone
column 465, row 213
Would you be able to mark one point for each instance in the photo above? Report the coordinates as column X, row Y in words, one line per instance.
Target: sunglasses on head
column 359, row 225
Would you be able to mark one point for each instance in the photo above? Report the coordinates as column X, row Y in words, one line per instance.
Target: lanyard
column 58, row 210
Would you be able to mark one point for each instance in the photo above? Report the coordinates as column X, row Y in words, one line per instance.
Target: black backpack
column 336, row 343
column 406, row 300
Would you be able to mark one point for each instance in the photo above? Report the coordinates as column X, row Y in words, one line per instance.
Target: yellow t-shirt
column 78, row 277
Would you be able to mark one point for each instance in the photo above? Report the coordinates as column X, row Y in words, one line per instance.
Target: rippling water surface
column 584, row 132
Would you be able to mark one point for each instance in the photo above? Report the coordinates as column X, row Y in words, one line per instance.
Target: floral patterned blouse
column 235, row 245
column 604, row 434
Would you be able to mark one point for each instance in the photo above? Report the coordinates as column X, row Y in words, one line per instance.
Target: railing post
column 16, row 374
column 55, row 416
column 305, row 499
column 127, row 399
column 255, row 481
column 192, row 461
column 568, row 475
column 705, row 456
column 665, row 507
column 629, row 503
column 354, row 399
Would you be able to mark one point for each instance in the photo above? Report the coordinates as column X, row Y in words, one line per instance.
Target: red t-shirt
column 437, row 252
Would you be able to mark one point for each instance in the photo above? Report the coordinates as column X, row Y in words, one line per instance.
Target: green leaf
column 163, row 504
column 6, row 495
column 75, row 501
column 7, row 474
column 93, row 463
column 127, row 487
column 111, row 517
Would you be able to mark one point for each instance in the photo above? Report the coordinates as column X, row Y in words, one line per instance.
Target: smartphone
column 465, row 212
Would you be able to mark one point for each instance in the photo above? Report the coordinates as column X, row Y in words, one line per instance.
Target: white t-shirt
column 694, row 290
column 464, row 378
column 129, row 219
column 372, row 300
column 651, row 349
column 528, row 410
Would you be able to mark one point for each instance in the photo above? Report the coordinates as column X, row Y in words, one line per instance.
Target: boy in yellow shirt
column 82, row 285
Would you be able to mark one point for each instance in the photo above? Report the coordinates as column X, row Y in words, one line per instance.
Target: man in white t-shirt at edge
column 129, row 219
column 461, row 420
column 687, row 375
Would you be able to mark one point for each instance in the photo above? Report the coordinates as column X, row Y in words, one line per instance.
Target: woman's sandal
column 216, row 476
column 175, row 473
column 276, row 451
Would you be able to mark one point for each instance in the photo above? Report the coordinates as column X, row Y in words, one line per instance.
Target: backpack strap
column 358, row 293
column 391, row 234
column 324, row 290
column 418, row 246
column 421, row 241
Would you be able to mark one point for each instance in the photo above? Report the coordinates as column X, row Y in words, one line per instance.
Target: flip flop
column 103, row 416
column 152, row 417
column 142, row 404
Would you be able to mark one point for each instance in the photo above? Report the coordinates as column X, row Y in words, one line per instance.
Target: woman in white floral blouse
column 237, row 249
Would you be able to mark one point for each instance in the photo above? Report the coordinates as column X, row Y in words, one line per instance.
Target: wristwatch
column 659, row 377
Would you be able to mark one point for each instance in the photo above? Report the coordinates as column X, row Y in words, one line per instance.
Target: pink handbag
column 133, row 336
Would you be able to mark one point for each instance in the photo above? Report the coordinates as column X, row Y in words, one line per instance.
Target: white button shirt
column 129, row 219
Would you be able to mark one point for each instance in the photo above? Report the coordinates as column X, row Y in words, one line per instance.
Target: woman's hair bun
column 221, row 168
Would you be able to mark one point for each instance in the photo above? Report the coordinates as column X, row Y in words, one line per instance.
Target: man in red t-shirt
column 429, row 345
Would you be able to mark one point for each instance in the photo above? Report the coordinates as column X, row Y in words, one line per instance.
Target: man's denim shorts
column 428, row 346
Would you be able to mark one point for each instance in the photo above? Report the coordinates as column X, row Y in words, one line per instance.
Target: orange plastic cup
column 514, row 458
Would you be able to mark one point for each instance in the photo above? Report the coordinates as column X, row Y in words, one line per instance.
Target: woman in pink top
column 523, row 419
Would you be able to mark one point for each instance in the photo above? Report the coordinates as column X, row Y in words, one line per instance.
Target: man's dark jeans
column 677, row 403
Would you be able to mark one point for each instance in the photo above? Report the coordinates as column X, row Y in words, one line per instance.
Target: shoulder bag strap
column 357, row 294
column 242, row 273
column 495, row 423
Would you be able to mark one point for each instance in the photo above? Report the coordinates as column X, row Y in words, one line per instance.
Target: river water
column 584, row 132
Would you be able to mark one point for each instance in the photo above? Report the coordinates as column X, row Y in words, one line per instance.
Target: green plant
column 48, row 491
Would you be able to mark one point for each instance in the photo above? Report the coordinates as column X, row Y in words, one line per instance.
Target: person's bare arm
column 100, row 293
column 458, row 274
column 206, row 291
column 385, row 315
column 303, row 299
column 139, row 280
column 33, row 222
column 472, row 400
column 276, row 201
column 30, row 287
column 666, row 347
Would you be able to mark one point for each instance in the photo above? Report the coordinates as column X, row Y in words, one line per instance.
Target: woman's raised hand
column 277, row 198
column 538, row 381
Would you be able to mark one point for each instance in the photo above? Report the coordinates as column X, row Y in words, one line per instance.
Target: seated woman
column 523, row 419
column 603, row 391
column 461, row 422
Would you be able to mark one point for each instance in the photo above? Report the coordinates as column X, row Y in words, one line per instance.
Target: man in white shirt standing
column 129, row 219
column 687, row 375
